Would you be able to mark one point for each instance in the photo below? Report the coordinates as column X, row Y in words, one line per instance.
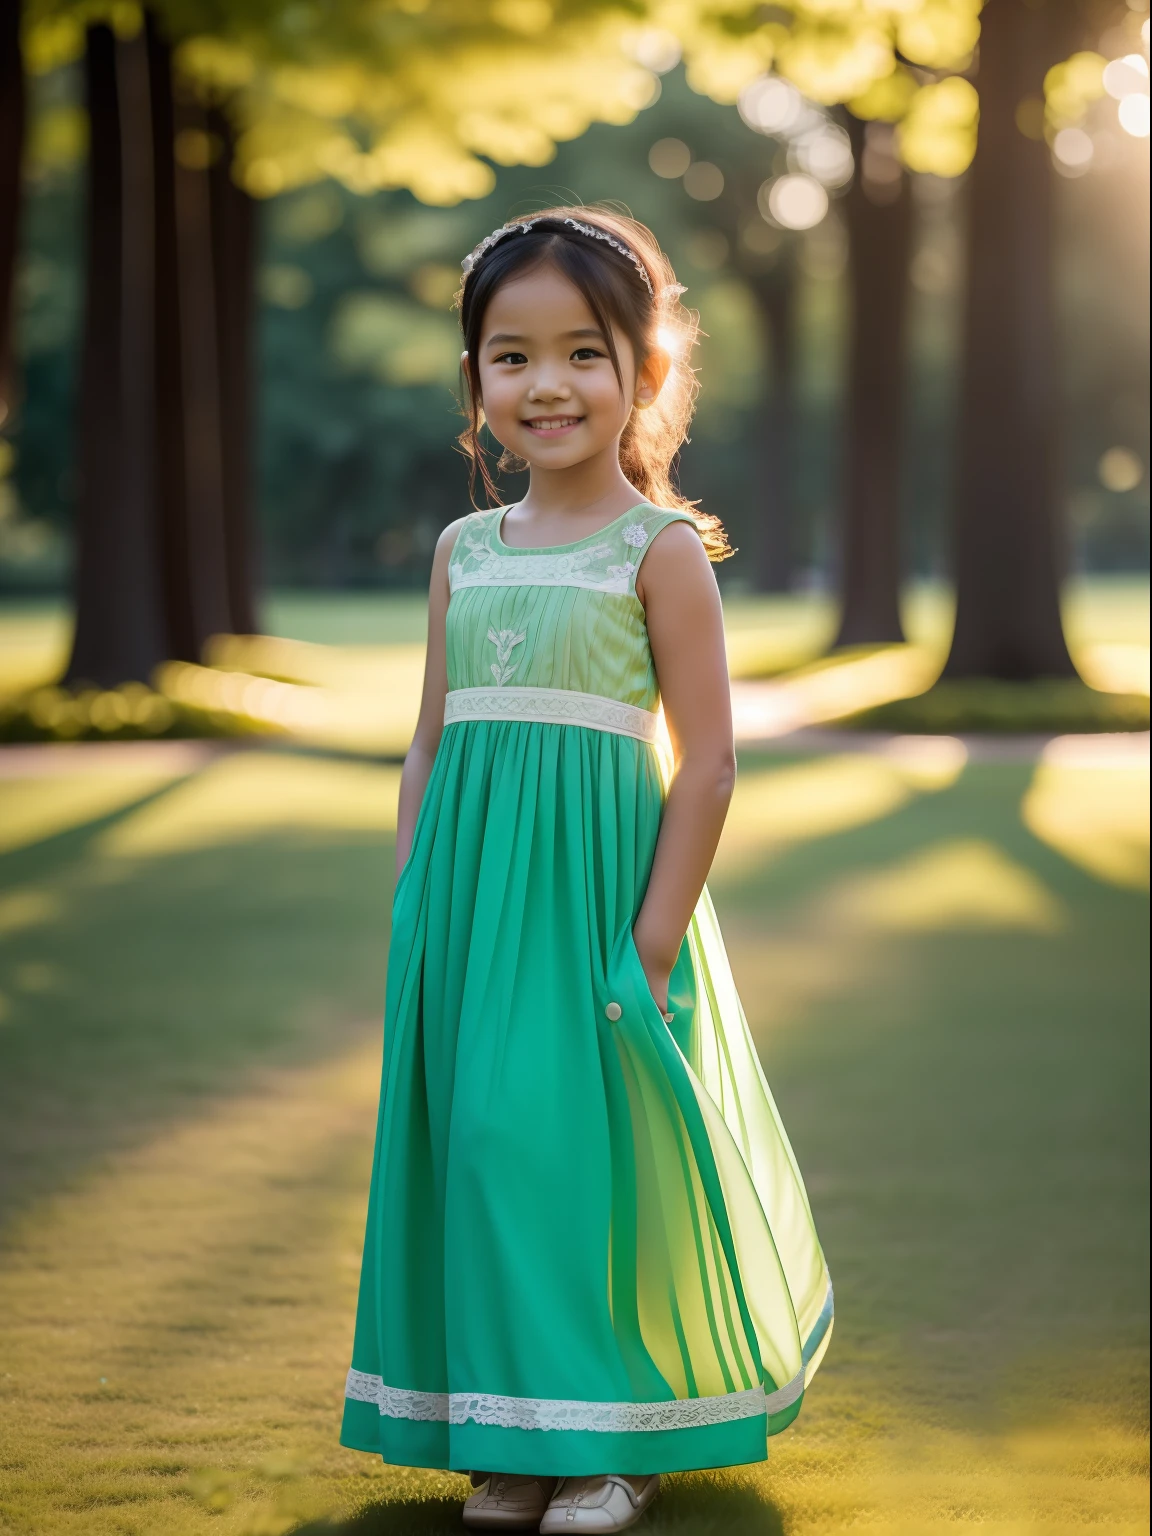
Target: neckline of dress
column 551, row 549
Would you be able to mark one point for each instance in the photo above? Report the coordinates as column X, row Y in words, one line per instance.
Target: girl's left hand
column 657, row 974
column 658, row 986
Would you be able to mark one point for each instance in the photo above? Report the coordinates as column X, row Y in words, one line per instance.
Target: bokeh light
column 1134, row 116
column 1120, row 470
column 670, row 158
column 770, row 105
column 704, row 181
column 827, row 155
column 656, row 48
column 1126, row 77
column 1073, row 150
column 794, row 202
column 286, row 286
column 760, row 238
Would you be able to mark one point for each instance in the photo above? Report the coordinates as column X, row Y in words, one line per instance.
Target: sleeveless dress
column 588, row 1244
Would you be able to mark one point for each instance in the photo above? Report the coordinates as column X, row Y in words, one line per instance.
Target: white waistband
column 551, row 706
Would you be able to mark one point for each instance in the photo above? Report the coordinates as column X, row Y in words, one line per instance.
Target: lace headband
column 591, row 230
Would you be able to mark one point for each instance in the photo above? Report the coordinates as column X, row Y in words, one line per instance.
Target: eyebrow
column 503, row 337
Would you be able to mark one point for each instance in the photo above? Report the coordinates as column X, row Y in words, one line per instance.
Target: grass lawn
column 944, row 967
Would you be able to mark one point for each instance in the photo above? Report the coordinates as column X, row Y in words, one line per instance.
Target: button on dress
column 588, row 1244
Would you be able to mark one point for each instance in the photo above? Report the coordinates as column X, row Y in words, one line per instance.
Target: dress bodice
column 563, row 618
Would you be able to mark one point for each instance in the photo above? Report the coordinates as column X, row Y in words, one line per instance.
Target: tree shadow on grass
column 163, row 982
column 697, row 1504
column 397, row 1517
column 713, row 1504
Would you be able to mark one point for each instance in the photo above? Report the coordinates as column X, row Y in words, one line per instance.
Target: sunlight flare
column 1088, row 799
column 963, row 883
column 255, row 793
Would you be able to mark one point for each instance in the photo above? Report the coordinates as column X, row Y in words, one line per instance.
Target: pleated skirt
column 588, row 1245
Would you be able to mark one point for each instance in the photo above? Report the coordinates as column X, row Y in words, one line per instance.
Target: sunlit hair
column 618, row 298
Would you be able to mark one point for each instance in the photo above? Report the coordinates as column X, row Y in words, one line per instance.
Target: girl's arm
column 418, row 763
column 686, row 630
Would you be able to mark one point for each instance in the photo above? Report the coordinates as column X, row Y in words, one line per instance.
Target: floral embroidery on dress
column 635, row 535
column 505, row 641
column 623, row 572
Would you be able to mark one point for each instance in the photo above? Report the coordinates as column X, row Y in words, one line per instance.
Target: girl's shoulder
column 471, row 539
column 651, row 519
column 483, row 521
column 648, row 557
column 467, row 531
column 677, row 561
column 642, row 526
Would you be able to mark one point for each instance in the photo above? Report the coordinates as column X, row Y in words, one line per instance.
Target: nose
column 546, row 386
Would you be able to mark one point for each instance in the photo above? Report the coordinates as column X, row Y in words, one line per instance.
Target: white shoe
column 507, row 1501
column 603, row 1504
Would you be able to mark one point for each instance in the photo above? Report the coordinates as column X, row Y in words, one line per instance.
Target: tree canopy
column 428, row 95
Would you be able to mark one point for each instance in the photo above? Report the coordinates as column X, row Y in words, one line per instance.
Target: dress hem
column 555, row 1453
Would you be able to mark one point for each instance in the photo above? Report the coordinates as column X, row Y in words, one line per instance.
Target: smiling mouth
column 552, row 423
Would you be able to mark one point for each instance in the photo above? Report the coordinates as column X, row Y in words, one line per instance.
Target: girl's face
column 549, row 390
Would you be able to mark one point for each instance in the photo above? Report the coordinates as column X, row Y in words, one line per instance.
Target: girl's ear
column 650, row 380
column 472, row 385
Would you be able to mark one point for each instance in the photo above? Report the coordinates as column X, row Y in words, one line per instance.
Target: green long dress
column 588, row 1244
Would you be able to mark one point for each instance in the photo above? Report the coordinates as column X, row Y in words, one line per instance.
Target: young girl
column 589, row 1256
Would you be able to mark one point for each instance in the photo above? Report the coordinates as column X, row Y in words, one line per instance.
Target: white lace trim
column 786, row 1395
column 552, row 706
column 397, row 1402
column 488, row 567
column 479, row 560
column 498, row 1412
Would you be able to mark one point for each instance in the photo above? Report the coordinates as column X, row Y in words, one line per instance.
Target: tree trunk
column 187, row 395
column 775, row 292
column 879, row 218
column 234, row 254
column 119, row 634
column 171, row 494
column 1008, row 540
column 163, row 559
column 12, row 119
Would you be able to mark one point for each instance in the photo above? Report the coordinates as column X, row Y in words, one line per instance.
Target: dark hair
column 617, row 295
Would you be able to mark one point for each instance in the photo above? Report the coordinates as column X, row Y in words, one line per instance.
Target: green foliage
column 424, row 94
column 429, row 94
column 35, row 471
column 1052, row 705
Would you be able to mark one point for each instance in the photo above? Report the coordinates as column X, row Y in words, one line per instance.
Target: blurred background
column 916, row 232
